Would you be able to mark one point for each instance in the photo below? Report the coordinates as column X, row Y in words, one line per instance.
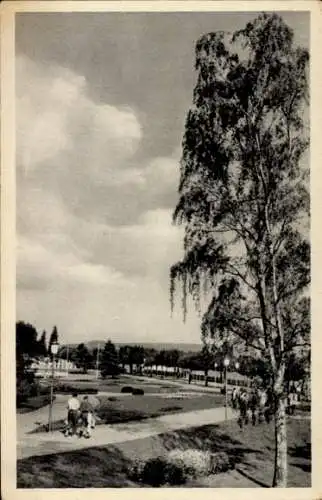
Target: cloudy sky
column 101, row 103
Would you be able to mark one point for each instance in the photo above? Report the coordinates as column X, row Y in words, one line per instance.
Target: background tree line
column 111, row 361
column 30, row 346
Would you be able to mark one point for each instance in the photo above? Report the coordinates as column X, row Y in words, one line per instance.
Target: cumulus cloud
column 94, row 224
column 57, row 120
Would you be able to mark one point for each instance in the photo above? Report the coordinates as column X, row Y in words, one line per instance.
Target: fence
column 233, row 378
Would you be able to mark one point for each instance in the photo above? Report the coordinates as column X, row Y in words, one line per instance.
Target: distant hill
column 158, row 346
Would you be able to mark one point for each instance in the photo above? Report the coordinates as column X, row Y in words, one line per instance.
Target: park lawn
column 115, row 385
column 128, row 408
column 252, row 450
column 34, row 403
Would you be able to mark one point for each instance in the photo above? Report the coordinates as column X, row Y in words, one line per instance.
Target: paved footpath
column 47, row 443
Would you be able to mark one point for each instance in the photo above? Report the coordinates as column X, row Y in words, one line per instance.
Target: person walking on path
column 292, row 399
column 234, row 397
column 262, row 405
column 243, row 407
column 73, row 406
column 253, row 403
column 87, row 417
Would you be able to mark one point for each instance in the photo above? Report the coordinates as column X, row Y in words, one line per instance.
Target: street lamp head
column 226, row 362
column 236, row 365
column 54, row 348
column 216, row 365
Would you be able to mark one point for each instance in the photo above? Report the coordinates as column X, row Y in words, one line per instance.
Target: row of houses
column 43, row 367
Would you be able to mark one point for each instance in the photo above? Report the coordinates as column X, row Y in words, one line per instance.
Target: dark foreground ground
column 251, row 448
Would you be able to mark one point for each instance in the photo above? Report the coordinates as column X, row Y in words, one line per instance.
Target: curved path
column 46, row 443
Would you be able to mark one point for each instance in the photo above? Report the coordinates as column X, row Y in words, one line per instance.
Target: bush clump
column 220, row 462
column 156, row 472
column 178, row 467
column 35, row 402
column 69, row 389
column 28, row 389
column 194, row 462
column 138, row 392
column 127, row 389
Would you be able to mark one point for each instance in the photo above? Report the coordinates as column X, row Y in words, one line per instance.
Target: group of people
column 257, row 404
column 80, row 417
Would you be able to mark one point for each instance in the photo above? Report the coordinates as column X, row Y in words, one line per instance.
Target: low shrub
column 223, row 391
column 175, row 475
column 158, row 471
column 112, row 398
column 220, row 462
column 136, row 469
column 194, row 462
column 178, row 466
column 168, row 409
column 69, row 389
column 138, row 392
column 34, row 403
column 154, row 472
column 128, row 389
column 112, row 415
column 27, row 389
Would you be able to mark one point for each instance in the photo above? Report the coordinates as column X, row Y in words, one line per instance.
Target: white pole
column 226, row 395
column 67, row 356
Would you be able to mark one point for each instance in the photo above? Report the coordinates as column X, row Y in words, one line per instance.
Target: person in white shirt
column 73, row 414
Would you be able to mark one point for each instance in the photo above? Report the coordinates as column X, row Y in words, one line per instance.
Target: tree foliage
column 42, row 345
column 109, row 360
column 28, row 348
column 82, row 357
column 243, row 196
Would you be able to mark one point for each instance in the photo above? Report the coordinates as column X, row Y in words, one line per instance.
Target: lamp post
column 54, row 349
column 226, row 364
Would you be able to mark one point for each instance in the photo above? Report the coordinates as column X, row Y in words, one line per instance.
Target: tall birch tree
column 244, row 200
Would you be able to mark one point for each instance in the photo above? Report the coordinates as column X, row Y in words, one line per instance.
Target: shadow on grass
column 90, row 468
column 207, row 437
column 110, row 416
column 251, row 478
column 302, row 455
column 34, row 403
column 211, row 437
column 109, row 466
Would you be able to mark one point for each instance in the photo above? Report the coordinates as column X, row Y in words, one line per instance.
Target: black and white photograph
column 163, row 249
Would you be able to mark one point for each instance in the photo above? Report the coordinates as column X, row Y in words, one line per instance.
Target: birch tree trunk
column 280, row 466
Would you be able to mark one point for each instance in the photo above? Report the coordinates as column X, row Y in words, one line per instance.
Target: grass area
column 252, row 450
column 34, row 403
column 129, row 408
column 139, row 407
column 114, row 385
